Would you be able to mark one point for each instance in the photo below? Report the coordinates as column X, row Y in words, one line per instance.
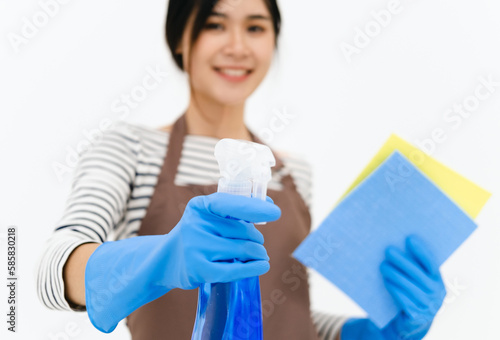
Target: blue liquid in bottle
column 229, row 311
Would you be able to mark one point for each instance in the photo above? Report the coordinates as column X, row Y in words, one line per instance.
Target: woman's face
column 233, row 52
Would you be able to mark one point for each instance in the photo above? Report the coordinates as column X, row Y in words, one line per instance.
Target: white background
column 64, row 79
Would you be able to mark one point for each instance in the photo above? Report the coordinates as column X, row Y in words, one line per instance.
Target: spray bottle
column 232, row 310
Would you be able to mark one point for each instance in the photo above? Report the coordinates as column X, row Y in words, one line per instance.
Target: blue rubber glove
column 216, row 229
column 414, row 281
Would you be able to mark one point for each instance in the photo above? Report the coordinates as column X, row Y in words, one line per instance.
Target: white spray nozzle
column 245, row 167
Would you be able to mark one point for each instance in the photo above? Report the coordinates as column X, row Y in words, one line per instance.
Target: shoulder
column 295, row 162
column 145, row 139
column 109, row 159
column 118, row 136
column 300, row 169
column 139, row 131
column 128, row 140
column 166, row 128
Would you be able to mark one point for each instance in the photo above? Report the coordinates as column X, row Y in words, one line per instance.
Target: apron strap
column 175, row 144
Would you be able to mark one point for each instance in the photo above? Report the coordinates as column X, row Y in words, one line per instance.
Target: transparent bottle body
column 229, row 310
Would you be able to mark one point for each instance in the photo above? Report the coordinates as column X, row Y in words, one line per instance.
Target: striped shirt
column 111, row 189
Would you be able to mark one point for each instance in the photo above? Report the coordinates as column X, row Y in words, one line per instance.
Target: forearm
column 74, row 273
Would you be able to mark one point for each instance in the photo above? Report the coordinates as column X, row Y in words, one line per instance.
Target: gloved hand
column 216, row 229
column 414, row 281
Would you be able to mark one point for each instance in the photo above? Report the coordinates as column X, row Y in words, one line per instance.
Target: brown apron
column 284, row 288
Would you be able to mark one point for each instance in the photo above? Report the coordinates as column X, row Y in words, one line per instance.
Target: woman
column 154, row 193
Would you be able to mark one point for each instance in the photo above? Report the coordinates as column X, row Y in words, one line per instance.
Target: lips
column 234, row 74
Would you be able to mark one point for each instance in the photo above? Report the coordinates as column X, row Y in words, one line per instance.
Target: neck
column 208, row 118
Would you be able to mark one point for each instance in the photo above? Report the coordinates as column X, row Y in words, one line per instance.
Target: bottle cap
column 245, row 167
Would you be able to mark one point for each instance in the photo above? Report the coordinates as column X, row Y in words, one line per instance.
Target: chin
column 231, row 98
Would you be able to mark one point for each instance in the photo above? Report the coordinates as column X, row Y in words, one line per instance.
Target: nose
column 237, row 44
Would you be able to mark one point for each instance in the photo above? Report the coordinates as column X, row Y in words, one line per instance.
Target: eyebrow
column 249, row 17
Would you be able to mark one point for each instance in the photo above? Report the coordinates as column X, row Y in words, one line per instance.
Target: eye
column 256, row 28
column 213, row 25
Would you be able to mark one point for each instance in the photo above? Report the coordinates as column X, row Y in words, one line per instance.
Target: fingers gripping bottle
column 232, row 310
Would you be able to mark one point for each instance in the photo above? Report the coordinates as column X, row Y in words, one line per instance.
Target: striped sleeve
column 100, row 189
column 328, row 325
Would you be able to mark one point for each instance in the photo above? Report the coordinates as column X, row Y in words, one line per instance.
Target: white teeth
column 233, row 73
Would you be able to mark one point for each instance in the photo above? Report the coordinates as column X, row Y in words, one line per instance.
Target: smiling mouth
column 233, row 72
